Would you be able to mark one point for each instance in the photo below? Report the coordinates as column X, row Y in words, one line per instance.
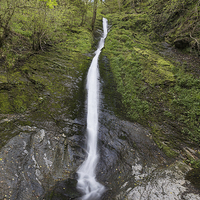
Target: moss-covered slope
column 177, row 22
column 158, row 84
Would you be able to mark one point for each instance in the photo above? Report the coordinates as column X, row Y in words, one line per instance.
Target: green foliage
column 37, row 23
column 4, row 103
column 50, row 3
column 157, row 70
column 36, row 26
column 154, row 88
column 194, row 163
column 6, row 14
column 178, row 20
column 167, row 148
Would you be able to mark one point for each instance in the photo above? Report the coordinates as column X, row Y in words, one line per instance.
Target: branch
column 195, row 40
column 40, row 41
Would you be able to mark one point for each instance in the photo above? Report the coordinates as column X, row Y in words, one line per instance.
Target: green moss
column 160, row 138
column 155, row 89
column 194, row 177
column 195, row 163
column 169, row 152
column 25, row 123
column 156, row 76
column 156, row 69
column 3, row 79
column 20, row 103
column 5, row 106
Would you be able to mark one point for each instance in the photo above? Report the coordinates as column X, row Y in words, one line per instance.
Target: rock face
column 168, row 183
column 33, row 161
column 41, row 163
column 134, row 168
column 40, row 160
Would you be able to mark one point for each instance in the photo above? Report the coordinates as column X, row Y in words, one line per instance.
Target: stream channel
column 41, row 158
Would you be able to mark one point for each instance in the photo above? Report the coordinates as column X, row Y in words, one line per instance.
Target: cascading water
column 87, row 183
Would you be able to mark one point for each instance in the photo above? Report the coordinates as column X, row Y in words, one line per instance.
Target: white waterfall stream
column 87, row 183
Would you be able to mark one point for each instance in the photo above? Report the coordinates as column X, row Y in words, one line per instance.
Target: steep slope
column 158, row 83
column 177, row 22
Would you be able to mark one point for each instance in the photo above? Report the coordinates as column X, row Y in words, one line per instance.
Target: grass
column 156, row 90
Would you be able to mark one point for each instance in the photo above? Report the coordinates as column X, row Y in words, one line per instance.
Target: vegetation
column 36, row 26
column 46, row 46
column 159, row 88
column 159, row 85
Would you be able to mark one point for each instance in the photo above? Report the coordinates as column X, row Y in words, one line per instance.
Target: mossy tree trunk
column 6, row 15
column 94, row 14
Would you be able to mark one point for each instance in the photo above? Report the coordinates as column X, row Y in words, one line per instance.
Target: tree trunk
column 94, row 14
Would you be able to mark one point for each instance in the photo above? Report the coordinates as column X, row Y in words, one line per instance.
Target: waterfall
column 87, row 183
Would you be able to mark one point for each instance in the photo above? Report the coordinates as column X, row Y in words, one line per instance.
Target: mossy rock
column 194, row 177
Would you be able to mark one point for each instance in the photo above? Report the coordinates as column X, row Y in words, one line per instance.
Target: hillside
column 148, row 95
column 153, row 49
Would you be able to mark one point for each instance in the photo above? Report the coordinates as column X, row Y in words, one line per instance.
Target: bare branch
column 195, row 40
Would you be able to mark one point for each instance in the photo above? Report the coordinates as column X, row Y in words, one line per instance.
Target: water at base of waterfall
column 87, row 183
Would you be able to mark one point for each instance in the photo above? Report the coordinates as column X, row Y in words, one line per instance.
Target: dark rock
column 42, row 163
column 64, row 190
column 6, row 86
column 194, row 177
column 182, row 43
column 33, row 162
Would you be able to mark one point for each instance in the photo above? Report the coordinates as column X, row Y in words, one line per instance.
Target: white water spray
column 87, row 183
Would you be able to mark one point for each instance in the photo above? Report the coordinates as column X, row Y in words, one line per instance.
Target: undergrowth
column 156, row 90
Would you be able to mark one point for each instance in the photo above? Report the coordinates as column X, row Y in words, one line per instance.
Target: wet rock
column 127, row 154
column 33, row 162
column 63, row 190
column 41, row 163
column 131, row 166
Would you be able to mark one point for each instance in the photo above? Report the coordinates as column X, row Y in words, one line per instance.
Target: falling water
column 87, row 183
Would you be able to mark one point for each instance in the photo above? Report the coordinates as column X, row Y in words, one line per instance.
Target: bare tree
column 7, row 10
